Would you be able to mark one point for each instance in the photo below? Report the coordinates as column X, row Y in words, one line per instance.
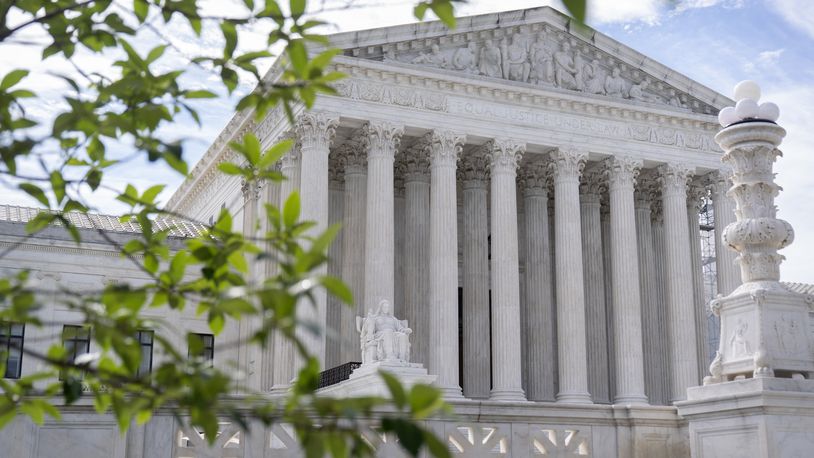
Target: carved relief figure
column 594, row 78
column 542, row 62
column 674, row 100
column 564, row 70
column 615, row 84
column 466, row 59
column 638, row 92
column 515, row 60
column 490, row 60
column 738, row 343
column 434, row 58
column 383, row 337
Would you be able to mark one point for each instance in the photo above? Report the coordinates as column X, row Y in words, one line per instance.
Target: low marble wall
column 477, row 429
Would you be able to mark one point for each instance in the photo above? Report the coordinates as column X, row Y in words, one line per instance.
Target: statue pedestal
column 366, row 381
column 755, row 417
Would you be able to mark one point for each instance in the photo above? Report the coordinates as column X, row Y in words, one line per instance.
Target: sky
column 715, row 42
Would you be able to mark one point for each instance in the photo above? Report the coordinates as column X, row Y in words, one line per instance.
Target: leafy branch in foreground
column 120, row 114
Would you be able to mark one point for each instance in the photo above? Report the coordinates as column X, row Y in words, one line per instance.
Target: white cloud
column 798, row 13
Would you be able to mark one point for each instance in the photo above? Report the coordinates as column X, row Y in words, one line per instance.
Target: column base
column 366, row 381
column 516, row 395
column 633, row 399
column 574, row 398
column 280, row 390
column 451, row 392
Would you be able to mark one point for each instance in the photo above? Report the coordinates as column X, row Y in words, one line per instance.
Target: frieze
column 383, row 93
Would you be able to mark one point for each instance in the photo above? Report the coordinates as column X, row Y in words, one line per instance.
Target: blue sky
column 715, row 42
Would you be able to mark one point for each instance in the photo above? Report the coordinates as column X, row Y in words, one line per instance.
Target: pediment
column 539, row 48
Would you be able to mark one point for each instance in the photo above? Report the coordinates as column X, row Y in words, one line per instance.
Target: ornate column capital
column 351, row 156
column 719, row 181
column 505, row 155
column 696, row 195
column 445, row 147
column 567, row 163
column 250, row 190
column 656, row 210
column 336, row 173
column 315, row 130
column 645, row 192
column 413, row 162
column 592, row 185
column 621, row 171
column 474, row 169
column 381, row 138
column 292, row 156
column 534, row 178
column 673, row 178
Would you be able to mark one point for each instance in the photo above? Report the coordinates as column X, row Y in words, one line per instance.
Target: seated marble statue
column 383, row 337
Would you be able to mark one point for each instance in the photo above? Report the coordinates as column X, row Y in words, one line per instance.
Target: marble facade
column 518, row 179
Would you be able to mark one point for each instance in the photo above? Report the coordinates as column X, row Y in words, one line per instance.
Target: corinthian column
column 728, row 277
column 477, row 363
column 661, row 327
column 416, row 166
column 539, row 324
column 627, row 322
column 648, row 287
column 443, row 355
column 696, row 196
column 315, row 132
column 354, row 160
column 507, row 375
column 678, row 277
column 567, row 165
column 593, row 271
column 382, row 139
column 284, row 355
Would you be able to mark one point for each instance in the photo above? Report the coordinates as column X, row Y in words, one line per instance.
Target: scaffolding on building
column 706, row 220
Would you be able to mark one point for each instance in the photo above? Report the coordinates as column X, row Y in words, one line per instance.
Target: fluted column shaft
column 382, row 140
column 353, row 247
column 662, row 326
column 728, row 276
column 539, row 324
column 627, row 322
column 417, row 252
column 567, row 166
column 593, row 272
column 315, row 132
column 695, row 199
column 648, row 280
column 477, row 362
column 284, row 354
column 678, row 277
column 443, row 359
column 604, row 218
column 333, row 349
column 248, row 355
column 272, row 196
column 507, row 383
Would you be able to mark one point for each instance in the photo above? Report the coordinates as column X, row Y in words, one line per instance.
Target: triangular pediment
column 537, row 47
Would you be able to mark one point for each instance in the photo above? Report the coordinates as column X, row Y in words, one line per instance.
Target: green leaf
column 230, row 169
column 338, row 288
column 13, row 77
column 155, row 53
column 576, row 8
column 297, row 8
column 298, row 56
column 35, row 192
column 424, row 400
column 200, row 94
column 291, row 209
column 396, row 390
column 58, row 185
column 274, row 153
column 230, row 34
column 140, row 7
column 216, row 322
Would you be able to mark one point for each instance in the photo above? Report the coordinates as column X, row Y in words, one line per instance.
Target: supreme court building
column 526, row 194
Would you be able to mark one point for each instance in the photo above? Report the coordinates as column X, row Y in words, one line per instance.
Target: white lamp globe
column 746, row 108
column 727, row 116
column 747, row 90
column 769, row 111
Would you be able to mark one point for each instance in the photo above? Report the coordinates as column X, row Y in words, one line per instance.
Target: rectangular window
column 11, row 348
column 205, row 346
column 145, row 339
column 76, row 340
